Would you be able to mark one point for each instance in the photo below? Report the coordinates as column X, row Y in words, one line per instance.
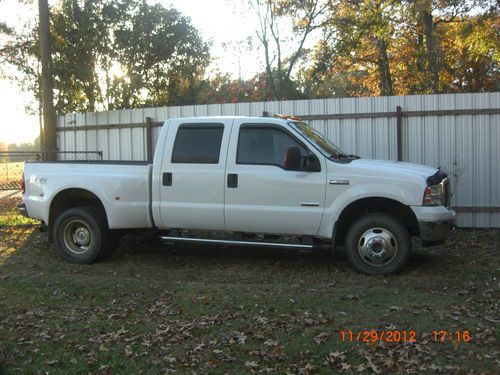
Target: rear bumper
column 21, row 208
column 434, row 224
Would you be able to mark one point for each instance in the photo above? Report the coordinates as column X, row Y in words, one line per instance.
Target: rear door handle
column 167, row 179
column 232, row 180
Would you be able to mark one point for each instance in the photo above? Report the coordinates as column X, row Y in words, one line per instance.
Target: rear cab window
column 198, row 144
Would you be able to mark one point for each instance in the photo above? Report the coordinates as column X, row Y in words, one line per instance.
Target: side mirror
column 292, row 158
column 313, row 164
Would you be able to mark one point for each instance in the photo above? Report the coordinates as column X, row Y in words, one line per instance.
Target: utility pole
column 49, row 114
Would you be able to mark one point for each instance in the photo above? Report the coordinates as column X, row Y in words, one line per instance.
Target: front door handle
column 232, row 180
column 167, row 179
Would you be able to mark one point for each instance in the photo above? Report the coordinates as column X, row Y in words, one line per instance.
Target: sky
column 224, row 22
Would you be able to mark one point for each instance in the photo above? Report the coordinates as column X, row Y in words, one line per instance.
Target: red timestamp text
column 371, row 336
column 453, row 336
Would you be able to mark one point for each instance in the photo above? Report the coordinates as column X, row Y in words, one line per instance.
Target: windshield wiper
column 344, row 156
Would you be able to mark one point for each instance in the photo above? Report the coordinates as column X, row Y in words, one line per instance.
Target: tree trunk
column 432, row 50
column 385, row 79
column 89, row 93
column 269, row 73
column 49, row 113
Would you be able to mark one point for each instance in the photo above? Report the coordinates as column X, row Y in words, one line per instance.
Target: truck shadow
column 139, row 250
column 14, row 242
column 28, row 249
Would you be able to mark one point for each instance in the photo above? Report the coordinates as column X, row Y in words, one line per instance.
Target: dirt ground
column 156, row 309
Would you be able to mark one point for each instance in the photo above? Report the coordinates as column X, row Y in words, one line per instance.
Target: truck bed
column 123, row 162
column 123, row 187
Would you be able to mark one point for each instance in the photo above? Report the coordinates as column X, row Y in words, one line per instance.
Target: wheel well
column 372, row 205
column 70, row 198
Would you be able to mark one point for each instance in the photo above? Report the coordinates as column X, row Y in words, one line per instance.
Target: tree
column 428, row 22
column 162, row 55
column 363, row 33
column 472, row 60
column 4, row 47
column 113, row 54
column 117, row 54
column 80, row 34
column 13, row 49
column 376, row 47
column 221, row 88
column 307, row 17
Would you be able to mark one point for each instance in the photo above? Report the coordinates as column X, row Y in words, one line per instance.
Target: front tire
column 378, row 244
column 81, row 235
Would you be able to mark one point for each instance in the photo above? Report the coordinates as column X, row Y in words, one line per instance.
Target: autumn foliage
column 132, row 53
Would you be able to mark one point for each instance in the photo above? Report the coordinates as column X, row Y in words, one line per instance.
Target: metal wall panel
column 466, row 146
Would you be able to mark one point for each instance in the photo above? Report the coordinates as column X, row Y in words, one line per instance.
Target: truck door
column 261, row 195
column 192, row 174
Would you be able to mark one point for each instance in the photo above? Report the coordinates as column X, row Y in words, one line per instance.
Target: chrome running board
column 237, row 243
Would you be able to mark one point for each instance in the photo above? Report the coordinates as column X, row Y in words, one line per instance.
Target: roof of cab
column 276, row 118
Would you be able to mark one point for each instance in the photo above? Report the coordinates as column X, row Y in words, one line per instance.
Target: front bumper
column 434, row 224
column 434, row 232
column 21, row 208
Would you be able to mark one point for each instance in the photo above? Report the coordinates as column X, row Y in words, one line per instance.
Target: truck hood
column 391, row 167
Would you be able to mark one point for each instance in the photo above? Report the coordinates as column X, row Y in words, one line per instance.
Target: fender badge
column 339, row 182
column 38, row 180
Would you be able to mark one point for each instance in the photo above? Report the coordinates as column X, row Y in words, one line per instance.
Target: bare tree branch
column 270, row 13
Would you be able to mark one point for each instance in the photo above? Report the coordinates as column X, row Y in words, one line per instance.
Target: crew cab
column 253, row 181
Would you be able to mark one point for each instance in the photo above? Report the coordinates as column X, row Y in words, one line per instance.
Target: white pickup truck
column 259, row 181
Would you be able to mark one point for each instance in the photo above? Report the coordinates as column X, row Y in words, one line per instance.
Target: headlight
column 436, row 195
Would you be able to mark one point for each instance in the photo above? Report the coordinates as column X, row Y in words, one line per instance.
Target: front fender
column 339, row 197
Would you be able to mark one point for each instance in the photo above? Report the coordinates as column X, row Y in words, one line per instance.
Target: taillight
column 23, row 185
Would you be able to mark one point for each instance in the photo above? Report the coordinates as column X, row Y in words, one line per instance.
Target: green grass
column 8, row 212
column 155, row 309
column 11, row 219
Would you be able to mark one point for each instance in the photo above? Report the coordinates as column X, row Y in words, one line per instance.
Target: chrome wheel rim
column 77, row 236
column 377, row 247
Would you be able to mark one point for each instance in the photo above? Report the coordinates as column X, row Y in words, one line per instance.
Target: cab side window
column 198, row 143
column 264, row 145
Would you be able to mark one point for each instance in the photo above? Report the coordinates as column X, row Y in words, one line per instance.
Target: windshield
column 328, row 148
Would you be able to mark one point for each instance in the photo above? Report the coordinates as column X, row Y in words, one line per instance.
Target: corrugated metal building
column 458, row 132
